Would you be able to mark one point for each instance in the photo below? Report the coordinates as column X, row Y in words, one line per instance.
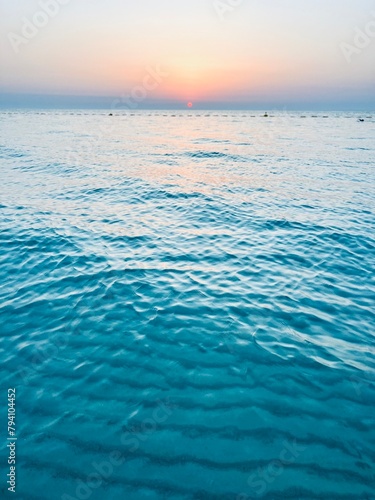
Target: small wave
column 11, row 153
column 212, row 141
column 214, row 154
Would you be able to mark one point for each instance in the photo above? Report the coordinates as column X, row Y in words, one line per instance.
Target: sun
column 189, row 104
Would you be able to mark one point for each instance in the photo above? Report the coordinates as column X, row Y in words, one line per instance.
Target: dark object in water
column 361, row 119
column 110, row 114
column 265, row 115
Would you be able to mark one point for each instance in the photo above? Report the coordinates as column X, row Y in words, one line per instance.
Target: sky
column 304, row 54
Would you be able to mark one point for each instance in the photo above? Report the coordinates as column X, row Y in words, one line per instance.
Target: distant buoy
column 265, row 115
column 110, row 114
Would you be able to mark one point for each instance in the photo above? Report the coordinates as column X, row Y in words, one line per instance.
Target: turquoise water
column 187, row 305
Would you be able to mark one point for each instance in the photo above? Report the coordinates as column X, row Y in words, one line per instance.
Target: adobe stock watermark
column 224, row 7
column 260, row 481
column 31, row 27
column 362, row 383
column 43, row 356
column 361, row 40
column 153, row 77
column 103, row 470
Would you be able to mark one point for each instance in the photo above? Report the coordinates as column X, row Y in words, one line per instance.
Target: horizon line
column 70, row 101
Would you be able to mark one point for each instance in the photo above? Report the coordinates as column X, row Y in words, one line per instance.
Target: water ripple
column 200, row 300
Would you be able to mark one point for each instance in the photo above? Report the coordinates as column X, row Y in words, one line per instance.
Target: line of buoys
column 266, row 115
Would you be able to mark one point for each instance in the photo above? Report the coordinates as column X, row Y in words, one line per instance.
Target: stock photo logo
column 103, row 471
column 153, row 78
column 48, row 9
column 362, row 39
column 264, row 478
column 225, row 7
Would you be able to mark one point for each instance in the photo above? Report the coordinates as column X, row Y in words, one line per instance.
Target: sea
column 187, row 304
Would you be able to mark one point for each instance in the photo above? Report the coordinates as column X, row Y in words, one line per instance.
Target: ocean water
column 187, row 304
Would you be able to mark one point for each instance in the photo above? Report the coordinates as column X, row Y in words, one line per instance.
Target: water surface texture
column 187, row 304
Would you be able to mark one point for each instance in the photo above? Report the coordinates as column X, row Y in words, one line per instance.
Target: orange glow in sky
column 253, row 52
